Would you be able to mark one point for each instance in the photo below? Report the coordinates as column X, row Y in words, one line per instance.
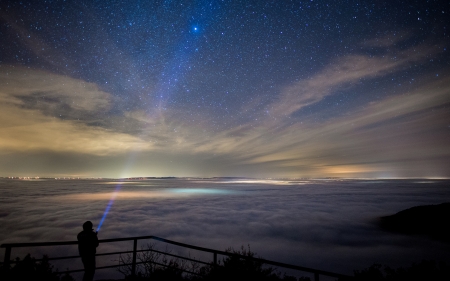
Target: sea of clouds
column 324, row 224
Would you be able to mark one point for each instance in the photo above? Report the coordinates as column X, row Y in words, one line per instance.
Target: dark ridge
column 430, row 220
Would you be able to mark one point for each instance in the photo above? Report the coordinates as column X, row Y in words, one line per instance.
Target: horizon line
column 218, row 177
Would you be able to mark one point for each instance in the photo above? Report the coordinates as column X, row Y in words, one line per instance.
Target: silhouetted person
column 87, row 244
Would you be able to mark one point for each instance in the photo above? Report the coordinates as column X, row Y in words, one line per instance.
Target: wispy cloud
column 43, row 111
column 345, row 72
column 368, row 138
column 397, row 129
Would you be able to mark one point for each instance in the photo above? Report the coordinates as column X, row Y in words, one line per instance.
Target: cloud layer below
column 320, row 224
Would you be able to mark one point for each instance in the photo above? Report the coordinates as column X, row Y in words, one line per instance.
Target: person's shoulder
column 82, row 234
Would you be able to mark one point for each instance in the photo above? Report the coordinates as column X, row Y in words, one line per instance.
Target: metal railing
column 8, row 247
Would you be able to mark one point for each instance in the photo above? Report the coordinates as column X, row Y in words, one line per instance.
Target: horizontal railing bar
column 117, row 253
column 37, row 244
column 112, row 253
column 290, row 266
column 189, row 246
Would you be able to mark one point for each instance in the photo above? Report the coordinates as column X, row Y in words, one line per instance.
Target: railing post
column 7, row 259
column 316, row 276
column 133, row 265
column 215, row 258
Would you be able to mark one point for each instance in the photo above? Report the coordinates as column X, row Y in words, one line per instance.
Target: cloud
column 370, row 139
column 387, row 40
column 346, row 72
column 393, row 132
column 49, row 93
column 43, row 111
column 321, row 224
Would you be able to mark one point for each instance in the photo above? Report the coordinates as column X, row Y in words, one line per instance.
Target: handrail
column 317, row 272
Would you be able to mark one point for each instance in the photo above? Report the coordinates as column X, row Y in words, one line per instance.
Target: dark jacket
column 87, row 242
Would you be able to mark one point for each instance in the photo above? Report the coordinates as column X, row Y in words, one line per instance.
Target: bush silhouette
column 232, row 267
column 237, row 268
column 30, row 269
column 423, row 271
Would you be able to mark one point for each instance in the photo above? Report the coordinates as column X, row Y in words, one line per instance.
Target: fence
column 8, row 247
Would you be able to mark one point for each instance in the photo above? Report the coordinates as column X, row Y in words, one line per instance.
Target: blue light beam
column 111, row 201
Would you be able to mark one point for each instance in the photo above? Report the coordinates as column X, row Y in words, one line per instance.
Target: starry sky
column 225, row 88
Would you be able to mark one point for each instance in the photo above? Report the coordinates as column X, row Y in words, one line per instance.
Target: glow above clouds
column 145, row 195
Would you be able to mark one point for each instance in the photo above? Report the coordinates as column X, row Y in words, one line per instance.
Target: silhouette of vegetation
column 154, row 265
column 423, row 271
column 157, row 267
column 32, row 270
column 236, row 268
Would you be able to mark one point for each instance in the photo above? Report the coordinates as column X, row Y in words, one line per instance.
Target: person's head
column 88, row 226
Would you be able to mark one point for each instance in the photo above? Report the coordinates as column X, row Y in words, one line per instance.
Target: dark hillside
column 430, row 220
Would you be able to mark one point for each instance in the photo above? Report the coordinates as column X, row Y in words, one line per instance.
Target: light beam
column 111, row 201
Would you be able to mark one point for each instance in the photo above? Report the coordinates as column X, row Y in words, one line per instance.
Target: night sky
column 225, row 88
